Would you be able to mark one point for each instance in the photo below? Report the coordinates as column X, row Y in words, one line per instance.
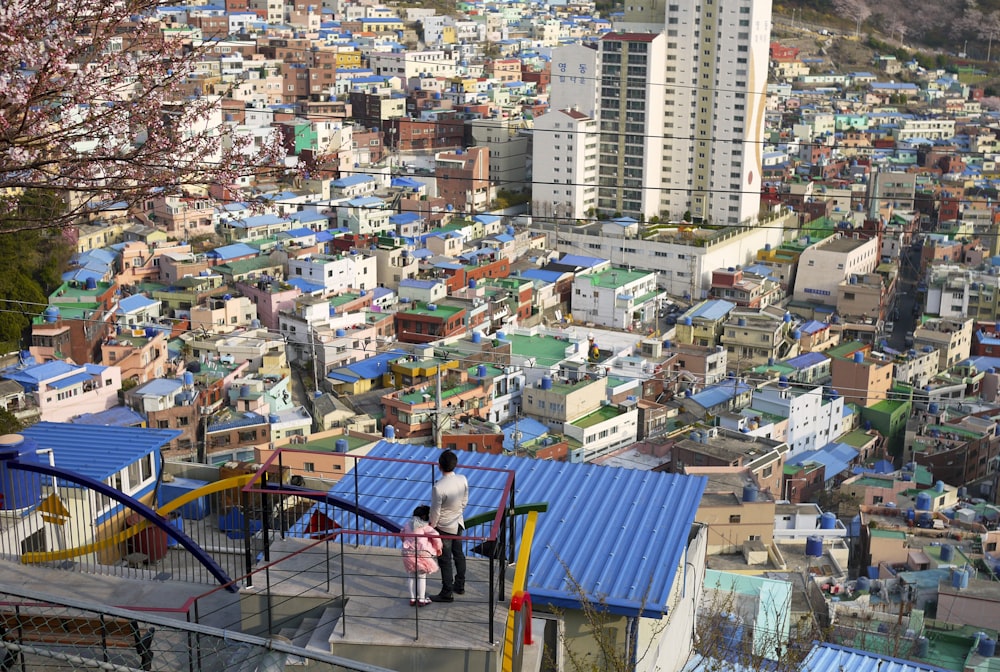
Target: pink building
column 63, row 391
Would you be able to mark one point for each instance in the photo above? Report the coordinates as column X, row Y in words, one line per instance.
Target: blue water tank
column 828, row 521
column 911, row 515
column 472, row 283
column 782, row 381
column 150, row 332
column 477, row 337
column 686, row 321
column 432, row 307
column 188, row 378
column 481, row 371
column 960, row 579
column 91, row 284
column 501, row 336
column 947, row 552
column 932, row 408
column 987, row 647
column 389, row 432
column 340, row 333
column 922, row 648
column 741, row 322
column 273, row 418
column 796, row 334
column 923, row 502
column 244, row 391
column 814, row 546
column 227, row 297
column 340, row 446
column 750, row 493
column 19, row 489
column 51, row 314
column 255, row 323
column 863, row 583
column 859, row 357
column 939, row 486
column 546, row 382
column 786, row 318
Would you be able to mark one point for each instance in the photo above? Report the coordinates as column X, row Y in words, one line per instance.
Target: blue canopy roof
column 629, row 552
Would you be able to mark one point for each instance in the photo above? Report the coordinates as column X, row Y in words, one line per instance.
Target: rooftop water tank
column 273, row 418
column 987, row 647
column 859, row 357
column 939, row 486
column 932, row 408
column 477, row 337
column 432, row 307
column 828, row 521
column 341, row 333
column 244, row 391
column 389, row 432
column 472, row 283
column 923, row 502
column 546, row 382
column 19, row 489
column 501, row 336
column 91, row 284
column 227, row 297
column 786, row 318
column 814, row 546
column 481, row 371
column 960, row 579
column 796, row 334
column 188, row 378
column 947, row 552
column 750, row 493
column 51, row 314
column 686, row 321
column 340, row 446
column 741, row 322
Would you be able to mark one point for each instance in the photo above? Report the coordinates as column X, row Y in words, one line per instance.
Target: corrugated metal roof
column 620, row 532
column 97, row 451
column 68, row 381
column 833, row 658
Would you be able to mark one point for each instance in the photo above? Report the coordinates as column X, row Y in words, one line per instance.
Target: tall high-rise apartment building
column 681, row 93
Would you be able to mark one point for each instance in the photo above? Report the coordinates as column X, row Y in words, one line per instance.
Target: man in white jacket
column 449, row 497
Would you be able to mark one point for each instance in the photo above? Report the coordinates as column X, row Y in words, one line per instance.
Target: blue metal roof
column 835, row 457
column 135, row 302
column 31, row 376
column 580, row 260
column 712, row 310
column 813, row 326
column 352, row 180
column 366, row 369
column 246, row 419
column 806, row 360
column 97, row 451
column 119, row 416
column 69, row 381
column 719, row 394
column 227, row 252
column 834, row 658
column 540, row 274
column 160, row 387
column 304, row 286
column 624, row 555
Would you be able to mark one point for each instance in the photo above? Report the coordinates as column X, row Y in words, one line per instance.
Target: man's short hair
column 448, row 461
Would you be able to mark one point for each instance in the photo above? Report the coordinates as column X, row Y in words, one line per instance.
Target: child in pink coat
column 421, row 546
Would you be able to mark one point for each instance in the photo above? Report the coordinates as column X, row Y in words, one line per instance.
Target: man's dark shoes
column 443, row 597
column 459, row 591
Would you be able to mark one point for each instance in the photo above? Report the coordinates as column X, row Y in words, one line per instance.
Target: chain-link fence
column 43, row 633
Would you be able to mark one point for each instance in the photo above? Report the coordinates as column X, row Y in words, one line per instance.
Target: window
column 308, row 466
column 734, row 518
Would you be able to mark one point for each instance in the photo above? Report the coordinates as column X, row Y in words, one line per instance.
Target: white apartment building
column 814, row 419
column 602, row 431
column 711, row 133
column 916, row 367
column 564, row 165
column 631, row 118
column 952, row 338
column 406, row 64
column 572, row 87
column 337, row 273
column 365, row 216
column 826, row 264
column 682, row 267
column 615, row 297
column 931, row 129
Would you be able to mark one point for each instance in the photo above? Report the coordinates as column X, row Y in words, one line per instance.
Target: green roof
column 887, row 534
column 442, row 311
column 597, row 417
column 329, row 443
column 857, row 439
column 613, row 278
column 547, row 351
column 874, row 482
column 418, row 397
